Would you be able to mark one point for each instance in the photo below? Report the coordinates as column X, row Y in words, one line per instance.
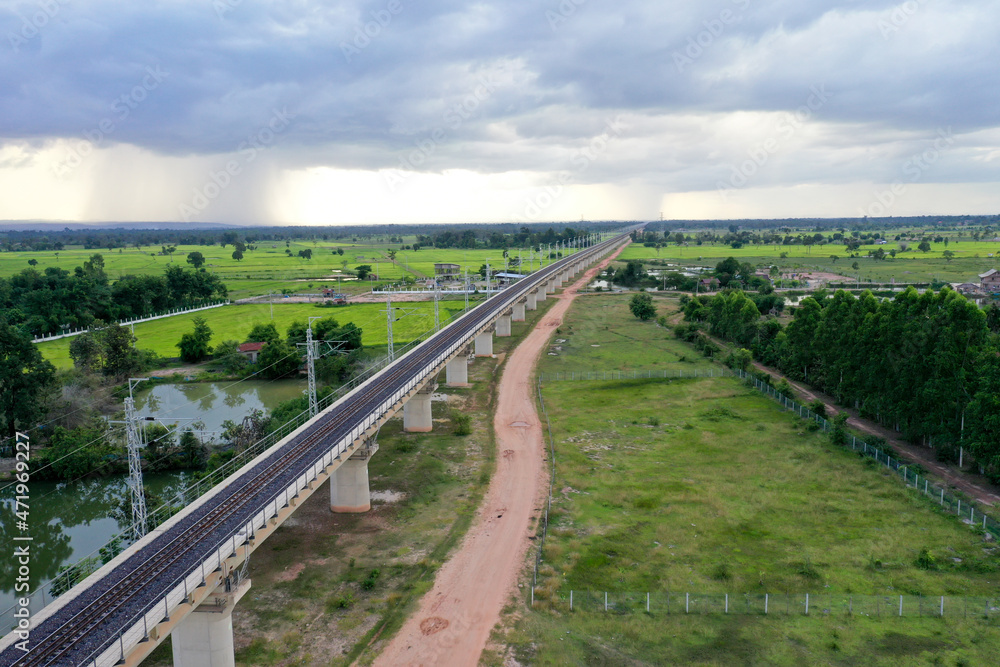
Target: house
column 708, row 284
column 446, row 271
column 334, row 296
column 989, row 282
column 251, row 351
column 966, row 288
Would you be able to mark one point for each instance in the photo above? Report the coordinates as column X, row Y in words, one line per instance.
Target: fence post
column 687, row 603
column 959, row 506
column 605, row 600
column 807, row 604
column 765, row 603
column 571, row 600
column 942, row 496
column 900, row 605
column 942, row 606
column 727, row 603
column 647, row 603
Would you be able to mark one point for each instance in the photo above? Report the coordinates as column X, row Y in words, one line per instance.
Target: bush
column 818, row 407
column 462, row 422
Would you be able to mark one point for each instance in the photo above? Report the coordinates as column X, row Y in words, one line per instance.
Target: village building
column 251, row 351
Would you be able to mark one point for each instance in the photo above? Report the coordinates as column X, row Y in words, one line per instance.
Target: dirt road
column 457, row 615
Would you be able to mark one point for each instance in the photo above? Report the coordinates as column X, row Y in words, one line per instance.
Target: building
column 989, row 282
column 251, row 351
column 447, row 271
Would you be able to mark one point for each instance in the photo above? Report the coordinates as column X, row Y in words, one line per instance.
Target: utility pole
column 487, row 282
column 388, row 324
column 134, row 442
column 311, row 368
column 466, row 290
column 437, row 314
column 270, row 297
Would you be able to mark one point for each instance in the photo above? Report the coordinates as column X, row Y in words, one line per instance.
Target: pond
column 71, row 520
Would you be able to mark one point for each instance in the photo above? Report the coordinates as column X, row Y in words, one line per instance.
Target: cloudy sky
column 317, row 112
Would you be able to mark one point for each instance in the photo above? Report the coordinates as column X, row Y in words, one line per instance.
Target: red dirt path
column 458, row 614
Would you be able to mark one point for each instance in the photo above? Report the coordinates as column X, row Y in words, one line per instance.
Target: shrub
column 462, row 422
column 818, row 407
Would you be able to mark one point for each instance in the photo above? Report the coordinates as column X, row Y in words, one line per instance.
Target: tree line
column 926, row 365
column 48, row 302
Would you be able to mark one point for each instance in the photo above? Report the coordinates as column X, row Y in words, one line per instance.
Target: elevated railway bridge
column 184, row 577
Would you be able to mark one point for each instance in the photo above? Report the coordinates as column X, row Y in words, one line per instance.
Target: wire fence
column 797, row 604
column 969, row 511
column 585, row 376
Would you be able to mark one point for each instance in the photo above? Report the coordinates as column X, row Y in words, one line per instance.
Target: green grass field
column 599, row 334
column 705, row 486
column 235, row 322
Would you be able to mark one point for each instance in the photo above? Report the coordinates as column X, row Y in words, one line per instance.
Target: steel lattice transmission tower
column 311, row 368
column 134, row 443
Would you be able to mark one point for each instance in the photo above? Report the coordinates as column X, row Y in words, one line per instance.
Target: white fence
column 125, row 323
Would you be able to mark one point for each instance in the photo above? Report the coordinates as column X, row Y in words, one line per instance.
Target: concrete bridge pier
column 540, row 295
column 205, row 637
column 503, row 325
column 417, row 417
column 518, row 315
column 484, row 344
column 456, row 371
column 531, row 301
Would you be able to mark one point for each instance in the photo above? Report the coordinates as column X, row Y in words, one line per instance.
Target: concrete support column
column 531, row 301
column 417, row 411
column 519, row 312
column 205, row 637
column 456, row 373
column 484, row 344
column 349, row 492
column 540, row 296
column 503, row 326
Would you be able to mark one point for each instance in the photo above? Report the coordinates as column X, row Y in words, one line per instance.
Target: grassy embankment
column 705, row 486
column 309, row 603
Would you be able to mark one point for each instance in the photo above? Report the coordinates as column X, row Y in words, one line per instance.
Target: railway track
column 90, row 623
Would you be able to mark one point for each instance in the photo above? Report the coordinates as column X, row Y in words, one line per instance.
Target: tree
column 86, row 352
column 363, row 271
column 196, row 259
column 642, row 306
column 26, row 380
column 121, row 359
column 263, row 333
column 924, row 246
column 194, row 345
column 392, row 256
column 340, row 251
column 192, row 449
column 948, row 255
column 278, row 359
column 32, row 262
column 306, row 254
column 237, row 255
column 227, row 353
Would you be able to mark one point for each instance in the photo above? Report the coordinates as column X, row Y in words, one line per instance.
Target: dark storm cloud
column 367, row 81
